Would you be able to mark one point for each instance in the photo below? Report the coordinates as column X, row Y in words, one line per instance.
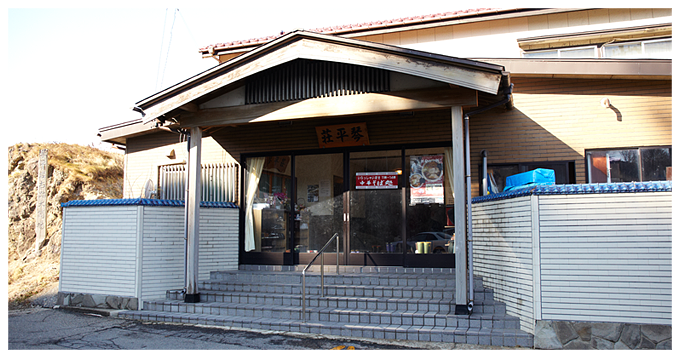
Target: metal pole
column 337, row 256
column 322, row 289
column 469, row 211
column 304, row 300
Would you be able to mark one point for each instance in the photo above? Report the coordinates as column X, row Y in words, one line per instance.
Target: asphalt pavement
column 44, row 328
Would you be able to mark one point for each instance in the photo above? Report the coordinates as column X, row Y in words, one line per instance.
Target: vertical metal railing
column 220, row 182
column 337, row 271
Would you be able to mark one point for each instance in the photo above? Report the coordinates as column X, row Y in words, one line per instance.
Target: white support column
column 193, row 202
column 459, row 208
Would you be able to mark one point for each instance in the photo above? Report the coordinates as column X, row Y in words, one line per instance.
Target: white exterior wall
column 163, row 254
column 103, row 248
column 606, row 257
column 498, row 38
column 98, row 250
column 503, row 256
column 589, row 258
column 163, row 251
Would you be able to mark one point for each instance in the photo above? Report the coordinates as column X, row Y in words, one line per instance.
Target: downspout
column 468, row 178
column 485, row 184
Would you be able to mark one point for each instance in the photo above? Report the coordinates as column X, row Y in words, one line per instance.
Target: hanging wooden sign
column 342, row 135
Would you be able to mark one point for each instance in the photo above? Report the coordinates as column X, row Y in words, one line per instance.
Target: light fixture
column 605, row 102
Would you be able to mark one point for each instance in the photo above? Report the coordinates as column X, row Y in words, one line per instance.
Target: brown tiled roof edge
column 334, row 30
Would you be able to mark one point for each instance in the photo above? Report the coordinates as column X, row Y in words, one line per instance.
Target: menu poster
column 427, row 179
column 377, row 180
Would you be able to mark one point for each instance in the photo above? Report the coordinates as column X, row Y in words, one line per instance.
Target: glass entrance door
column 389, row 207
column 318, row 205
column 375, row 208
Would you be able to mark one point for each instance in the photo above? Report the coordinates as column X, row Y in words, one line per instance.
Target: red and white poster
column 426, row 180
column 378, row 180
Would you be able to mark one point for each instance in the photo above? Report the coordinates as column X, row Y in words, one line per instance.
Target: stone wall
column 591, row 335
column 96, row 301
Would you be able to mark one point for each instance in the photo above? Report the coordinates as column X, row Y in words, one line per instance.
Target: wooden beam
column 189, row 107
column 333, row 106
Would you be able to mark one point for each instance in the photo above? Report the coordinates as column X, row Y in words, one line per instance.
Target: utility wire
column 187, row 26
column 160, row 53
column 169, row 43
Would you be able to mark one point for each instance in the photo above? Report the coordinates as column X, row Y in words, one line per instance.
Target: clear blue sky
column 71, row 71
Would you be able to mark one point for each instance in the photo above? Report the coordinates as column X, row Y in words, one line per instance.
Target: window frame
column 599, row 49
column 570, row 167
column 642, row 43
column 587, row 160
column 562, row 49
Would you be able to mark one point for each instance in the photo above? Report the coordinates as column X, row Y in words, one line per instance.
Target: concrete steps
column 369, row 302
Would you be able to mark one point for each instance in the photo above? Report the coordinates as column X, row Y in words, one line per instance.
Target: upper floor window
column 658, row 48
column 577, row 52
column 639, row 49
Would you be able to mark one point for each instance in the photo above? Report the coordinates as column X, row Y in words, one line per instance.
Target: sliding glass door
column 318, row 205
column 375, row 208
column 389, row 207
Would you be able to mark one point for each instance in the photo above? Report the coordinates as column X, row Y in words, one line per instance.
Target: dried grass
column 84, row 167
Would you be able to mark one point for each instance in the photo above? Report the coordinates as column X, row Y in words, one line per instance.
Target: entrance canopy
column 351, row 77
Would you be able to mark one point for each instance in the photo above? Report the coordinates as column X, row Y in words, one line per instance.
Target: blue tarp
column 532, row 177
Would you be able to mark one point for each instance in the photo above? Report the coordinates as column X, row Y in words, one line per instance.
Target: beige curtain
column 448, row 164
column 255, row 166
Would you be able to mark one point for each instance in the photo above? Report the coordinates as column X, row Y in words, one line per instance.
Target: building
column 383, row 132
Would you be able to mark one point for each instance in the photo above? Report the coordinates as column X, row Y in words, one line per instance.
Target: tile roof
column 570, row 189
column 334, row 30
column 144, row 202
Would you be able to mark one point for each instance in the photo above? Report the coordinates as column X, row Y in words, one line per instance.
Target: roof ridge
column 354, row 27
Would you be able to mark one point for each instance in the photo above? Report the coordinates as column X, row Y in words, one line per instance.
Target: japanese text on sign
column 384, row 180
column 342, row 135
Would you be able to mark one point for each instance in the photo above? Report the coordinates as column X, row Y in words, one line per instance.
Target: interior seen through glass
column 376, row 202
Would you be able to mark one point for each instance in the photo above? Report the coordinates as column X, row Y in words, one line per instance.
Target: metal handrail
column 337, row 271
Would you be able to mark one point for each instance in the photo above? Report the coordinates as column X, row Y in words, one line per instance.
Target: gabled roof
column 306, row 45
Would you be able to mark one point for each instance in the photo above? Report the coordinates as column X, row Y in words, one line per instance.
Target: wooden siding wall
column 553, row 120
column 502, row 254
column 383, row 129
column 146, row 153
column 606, row 257
column 101, row 251
column 98, row 250
column 558, row 119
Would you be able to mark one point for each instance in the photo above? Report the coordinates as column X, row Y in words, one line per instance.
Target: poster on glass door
column 377, row 180
column 427, row 179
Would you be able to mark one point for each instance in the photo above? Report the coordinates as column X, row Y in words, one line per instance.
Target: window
column 577, row 52
column 564, row 173
column 639, row 49
column 657, row 48
column 629, row 165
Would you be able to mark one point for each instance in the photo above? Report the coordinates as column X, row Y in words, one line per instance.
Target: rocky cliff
column 74, row 173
